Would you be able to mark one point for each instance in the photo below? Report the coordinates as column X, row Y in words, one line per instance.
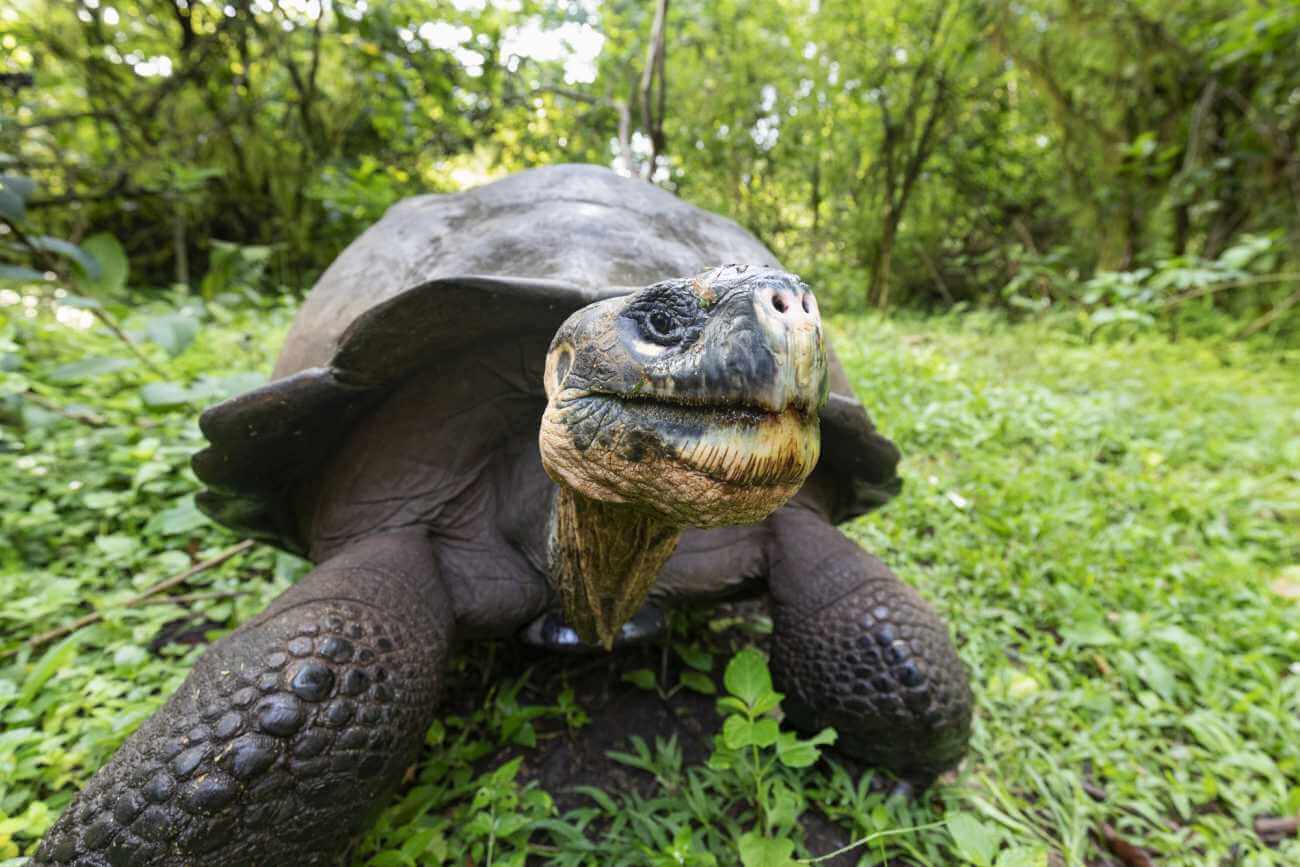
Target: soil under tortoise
column 478, row 426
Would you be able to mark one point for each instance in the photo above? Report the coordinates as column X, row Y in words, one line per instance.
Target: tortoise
column 549, row 407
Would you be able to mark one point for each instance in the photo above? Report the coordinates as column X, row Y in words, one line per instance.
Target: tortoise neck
column 604, row 558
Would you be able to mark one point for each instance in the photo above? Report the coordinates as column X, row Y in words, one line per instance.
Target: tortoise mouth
column 722, row 409
column 717, row 412
column 732, row 443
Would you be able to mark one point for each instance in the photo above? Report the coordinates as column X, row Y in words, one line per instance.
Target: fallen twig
column 1094, row 791
column 165, row 584
column 1275, row 829
column 1131, row 855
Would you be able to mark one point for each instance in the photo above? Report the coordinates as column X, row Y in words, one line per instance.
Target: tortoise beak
column 790, row 320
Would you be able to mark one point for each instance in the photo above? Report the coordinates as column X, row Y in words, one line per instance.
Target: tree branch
column 653, row 120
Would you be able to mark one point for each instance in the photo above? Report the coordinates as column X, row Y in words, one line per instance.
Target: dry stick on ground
column 1132, row 856
column 166, row 584
column 1274, row 829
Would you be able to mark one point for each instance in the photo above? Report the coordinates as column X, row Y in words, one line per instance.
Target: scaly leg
column 288, row 734
column 855, row 648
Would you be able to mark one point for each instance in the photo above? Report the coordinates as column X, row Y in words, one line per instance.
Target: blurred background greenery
column 1130, row 160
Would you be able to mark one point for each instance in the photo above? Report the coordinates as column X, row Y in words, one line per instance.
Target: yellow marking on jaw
column 778, row 450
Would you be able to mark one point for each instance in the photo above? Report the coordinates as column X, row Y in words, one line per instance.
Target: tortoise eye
column 663, row 326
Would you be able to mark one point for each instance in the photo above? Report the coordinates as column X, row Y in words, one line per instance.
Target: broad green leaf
column 88, row 368
column 976, row 841
column 129, row 656
column 642, row 677
column 80, row 301
column 117, row 546
column 796, row 752
column 161, row 395
column 731, row 704
column 174, row 332
column 1023, row 856
column 182, row 518
column 508, row 771
column 698, row 682
column 737, row 732
column 14, row 192
column 1156, row 674
column 113, row 267
column 747, row 676
column 12, row 206
column 759, row 851
column 20, row 274
column 87, row 265
column 525, row 735
column 765, row 732
column 58, row 657
column 696, row 657
column 784, row 805
column 1088, row 633
column 765, row 702
column 18, row 185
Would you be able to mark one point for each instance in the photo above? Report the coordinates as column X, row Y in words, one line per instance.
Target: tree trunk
column 884, row 262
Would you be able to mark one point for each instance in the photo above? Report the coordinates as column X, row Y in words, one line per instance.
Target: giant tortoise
column 546, row 408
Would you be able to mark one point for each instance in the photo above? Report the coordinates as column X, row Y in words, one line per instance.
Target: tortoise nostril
column 778, row 302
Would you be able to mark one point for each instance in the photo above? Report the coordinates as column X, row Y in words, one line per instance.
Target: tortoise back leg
column 855, row 648
column 287, row 734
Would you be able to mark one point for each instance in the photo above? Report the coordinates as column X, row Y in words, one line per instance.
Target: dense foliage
column 935, row 152
column 1108, row 525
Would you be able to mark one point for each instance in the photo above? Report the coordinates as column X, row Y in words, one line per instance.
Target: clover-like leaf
column 747, row 676
column 795, row 752
column 759, row 851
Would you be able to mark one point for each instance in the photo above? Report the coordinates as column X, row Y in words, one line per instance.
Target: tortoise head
column 694, row 399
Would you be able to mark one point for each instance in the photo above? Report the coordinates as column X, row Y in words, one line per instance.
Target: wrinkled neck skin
column 604, row 558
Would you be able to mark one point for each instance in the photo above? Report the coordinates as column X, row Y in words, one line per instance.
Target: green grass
column 1111, row 529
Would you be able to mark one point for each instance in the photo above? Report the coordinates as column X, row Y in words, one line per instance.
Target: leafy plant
column 753, row 746
column 696, row 673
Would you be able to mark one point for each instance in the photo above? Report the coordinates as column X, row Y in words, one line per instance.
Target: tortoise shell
column 442, row 275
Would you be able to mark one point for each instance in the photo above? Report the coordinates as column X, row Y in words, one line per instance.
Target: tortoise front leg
column 288, row 734
column 855, row 648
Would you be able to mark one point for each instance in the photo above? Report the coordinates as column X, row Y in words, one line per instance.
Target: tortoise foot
column 855, row 648
column 285, row 737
